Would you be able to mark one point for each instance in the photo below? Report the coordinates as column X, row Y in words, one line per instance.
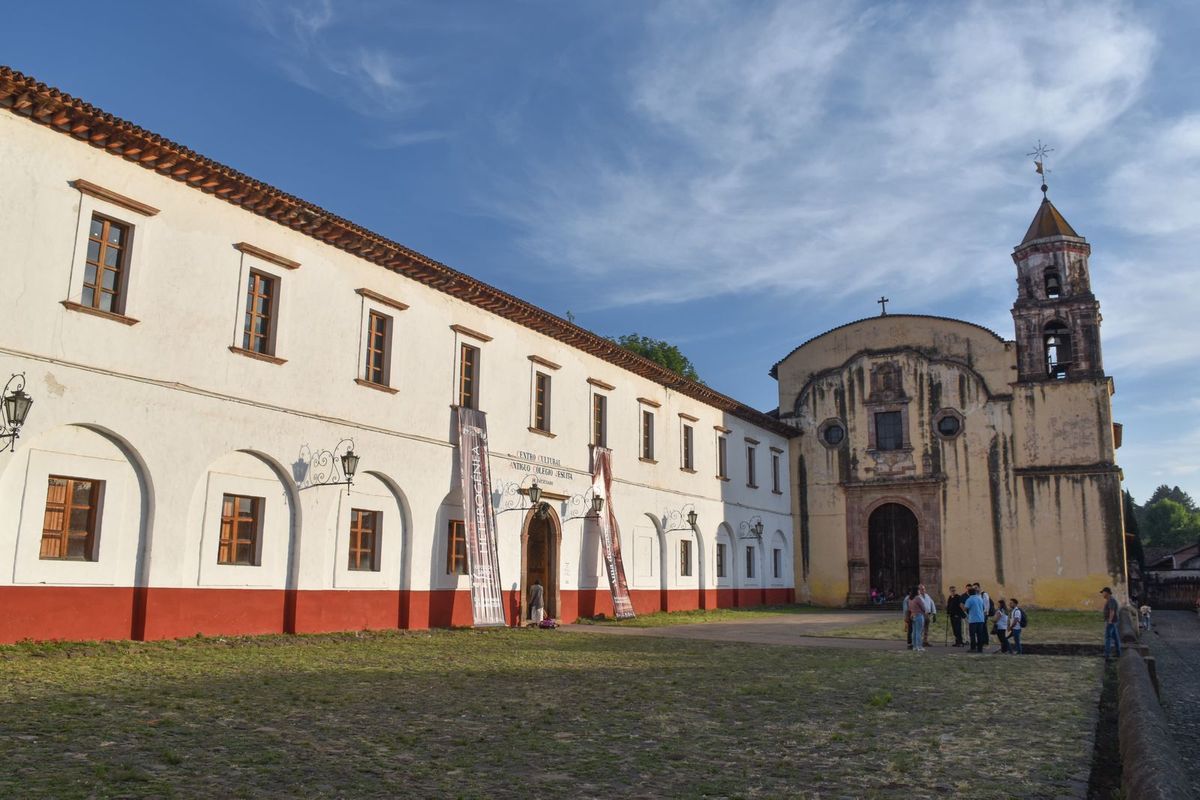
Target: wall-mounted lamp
column 673, row 519
column 535, row 501
column 751, row 529
column 16, row 409
column 590, row 503
column 349, row 466
column 320, row 467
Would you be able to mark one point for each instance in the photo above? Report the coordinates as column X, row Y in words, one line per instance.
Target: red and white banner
column 610, row 536
column 487, row 604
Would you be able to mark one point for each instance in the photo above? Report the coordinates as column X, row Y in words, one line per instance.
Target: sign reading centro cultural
column 487, row 606
column 610, row 536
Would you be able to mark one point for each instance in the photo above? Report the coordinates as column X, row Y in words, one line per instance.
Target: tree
column 660, row 352
column 1164, row 492
column 1133, row 543
column 1170, row 524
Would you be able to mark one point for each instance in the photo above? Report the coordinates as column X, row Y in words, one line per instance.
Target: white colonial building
column 201, row 350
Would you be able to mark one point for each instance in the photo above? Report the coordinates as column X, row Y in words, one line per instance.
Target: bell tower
column 1056, row 315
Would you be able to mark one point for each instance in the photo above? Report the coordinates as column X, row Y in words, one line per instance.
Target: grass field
column 531, row 714
column 1047, row 627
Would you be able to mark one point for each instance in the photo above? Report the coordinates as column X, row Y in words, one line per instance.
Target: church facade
column 934, row 450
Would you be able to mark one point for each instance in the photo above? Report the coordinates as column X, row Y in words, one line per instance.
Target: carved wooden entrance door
column 894, row 550
column 541, row 564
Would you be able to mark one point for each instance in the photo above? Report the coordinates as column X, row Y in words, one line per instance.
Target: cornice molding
column 60, row 112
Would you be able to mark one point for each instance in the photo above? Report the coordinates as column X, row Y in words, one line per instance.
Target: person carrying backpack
column 1016, row 623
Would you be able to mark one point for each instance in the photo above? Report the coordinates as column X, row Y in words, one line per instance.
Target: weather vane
column 1039, row 162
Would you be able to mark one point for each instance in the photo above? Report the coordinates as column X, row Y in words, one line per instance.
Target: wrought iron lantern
column 542, row 510
column 757, row 528
column 349, row 467
column 597, row 504
column 16, row 409
column 692, row 516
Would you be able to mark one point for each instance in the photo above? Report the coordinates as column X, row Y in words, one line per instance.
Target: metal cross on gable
column 883, row 301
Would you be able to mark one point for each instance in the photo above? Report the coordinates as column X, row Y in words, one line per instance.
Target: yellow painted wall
column 1030, row 502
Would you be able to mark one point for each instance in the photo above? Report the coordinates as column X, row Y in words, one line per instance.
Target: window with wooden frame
column 685, row 557
column 722, row 457
column 775, row 479
column 364, row 540
column 379, row 338
column 647, row 435
column 599, row 420
column 751, row 457
column 468, row 376
column 258, row 332
column 750, row 561
column 541, row 402
column 688, row 437
column 107, row 261
column 722, row 570
column 241, row 522
column 69, row 525
column 456, row 548
column 777, row 563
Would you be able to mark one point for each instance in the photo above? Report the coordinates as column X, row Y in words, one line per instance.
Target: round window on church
column 832, row 432
column 948, row 423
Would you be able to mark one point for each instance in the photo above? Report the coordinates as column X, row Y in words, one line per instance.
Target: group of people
column 973, row 606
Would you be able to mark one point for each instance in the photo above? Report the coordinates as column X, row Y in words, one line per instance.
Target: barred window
column 364, row 540
column 456, row 548
column 103, row 275
column 379, row 329
column 241, row 521
column 258, row 334
column 69, row 524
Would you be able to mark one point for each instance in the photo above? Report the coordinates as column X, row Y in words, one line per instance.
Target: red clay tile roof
column 48, row 106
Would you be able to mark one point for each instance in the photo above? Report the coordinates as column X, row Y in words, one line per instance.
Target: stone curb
column 1150, row 768
column 1127, row 629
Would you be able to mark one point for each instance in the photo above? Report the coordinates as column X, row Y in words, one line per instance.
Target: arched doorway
column 894, row 549
column 540, row 544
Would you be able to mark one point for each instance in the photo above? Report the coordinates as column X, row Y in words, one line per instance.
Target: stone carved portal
column 895, row 558
column 921, row 498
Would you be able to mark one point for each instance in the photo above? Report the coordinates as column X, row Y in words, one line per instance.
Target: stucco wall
column 182, row 419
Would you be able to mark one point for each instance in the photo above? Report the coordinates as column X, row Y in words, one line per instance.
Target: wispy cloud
column 818, row 149
column 332, row 55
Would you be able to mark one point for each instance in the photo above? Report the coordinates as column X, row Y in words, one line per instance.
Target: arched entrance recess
column 541, row 551
column 894, row 549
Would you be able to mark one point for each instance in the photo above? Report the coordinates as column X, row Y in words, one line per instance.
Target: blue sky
column 733, row 177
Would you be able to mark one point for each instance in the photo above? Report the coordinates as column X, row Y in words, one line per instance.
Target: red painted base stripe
column 54, row 612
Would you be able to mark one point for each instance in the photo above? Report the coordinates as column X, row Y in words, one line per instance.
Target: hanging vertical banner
column 487, row 604
column 610, row 535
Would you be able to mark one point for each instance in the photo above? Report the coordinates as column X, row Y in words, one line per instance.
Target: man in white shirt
column 930, row 611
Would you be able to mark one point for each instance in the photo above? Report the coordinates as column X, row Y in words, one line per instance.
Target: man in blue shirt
column 976, row 620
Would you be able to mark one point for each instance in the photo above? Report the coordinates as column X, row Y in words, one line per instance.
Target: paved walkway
column 801, row 630
column 1175, row 643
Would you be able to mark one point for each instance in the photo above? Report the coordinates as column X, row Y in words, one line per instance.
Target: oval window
column 833, row 434
column 949, row 425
